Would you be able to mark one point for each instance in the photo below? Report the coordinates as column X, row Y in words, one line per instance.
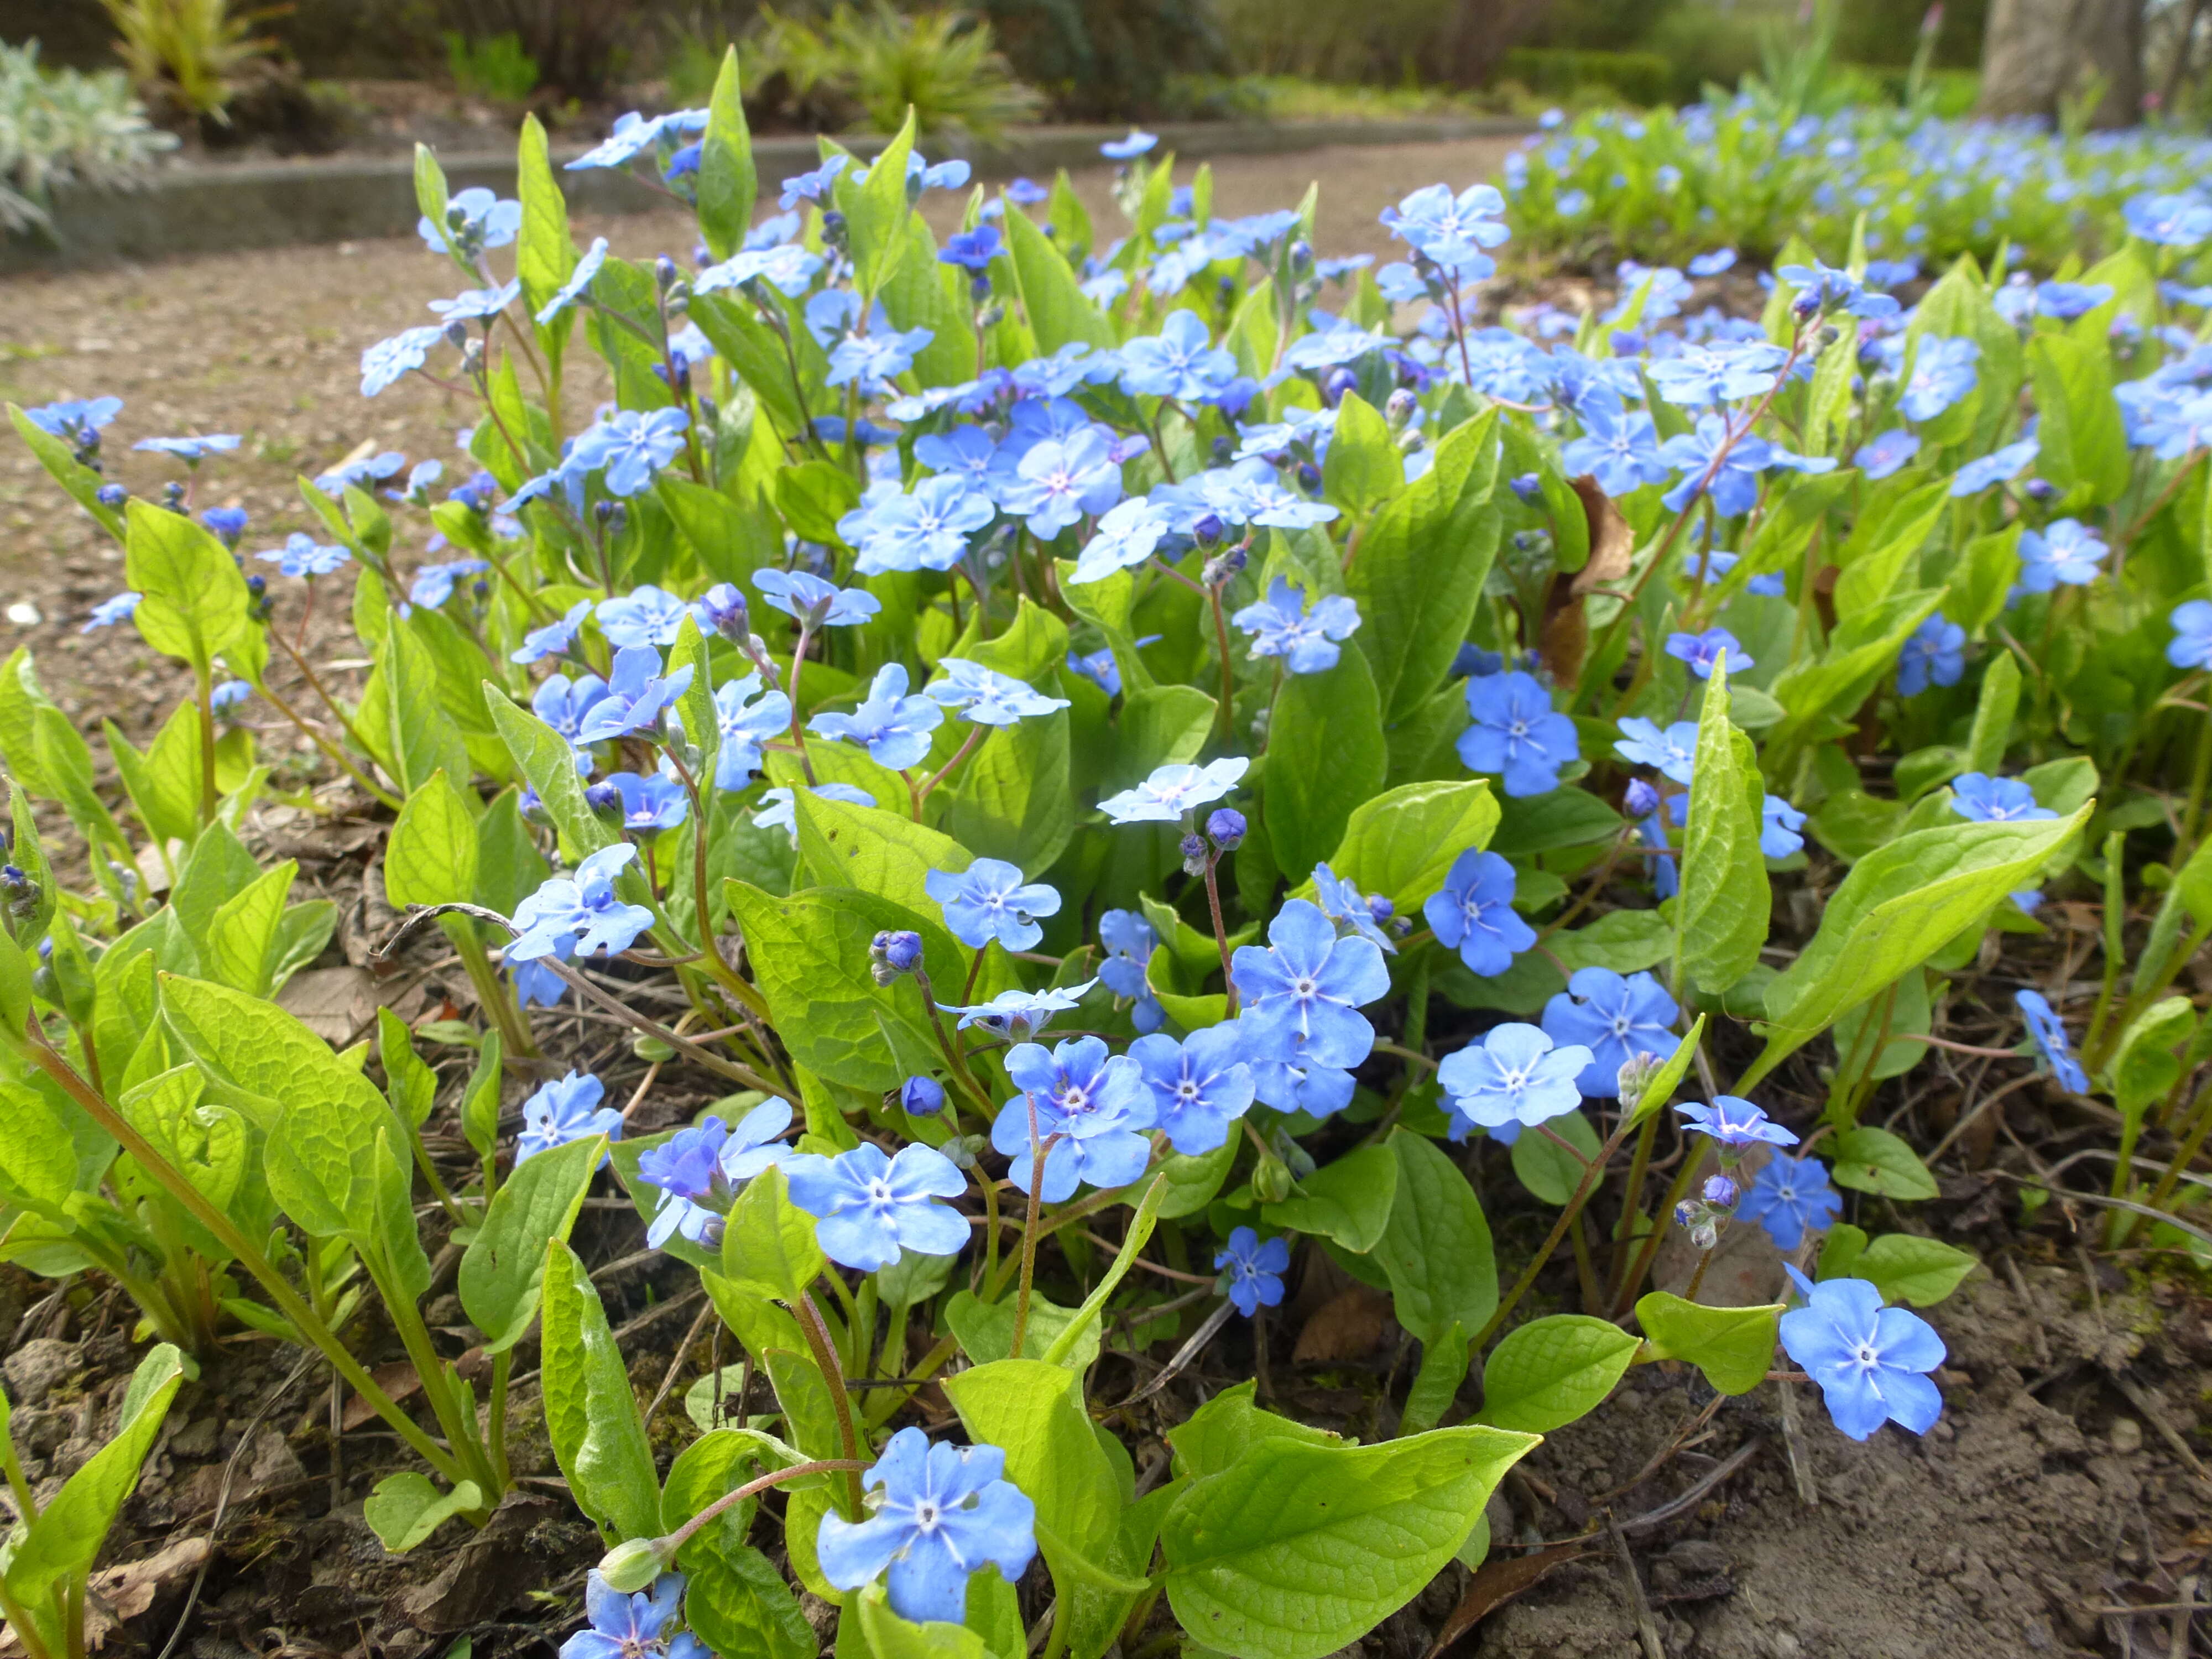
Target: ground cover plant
column 1137, row 764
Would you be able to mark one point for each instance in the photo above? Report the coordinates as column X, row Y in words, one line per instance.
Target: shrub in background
column 496, row 68
column 188, row 55
column 61, row 126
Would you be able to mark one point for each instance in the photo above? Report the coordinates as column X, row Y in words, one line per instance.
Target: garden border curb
column 227, row 208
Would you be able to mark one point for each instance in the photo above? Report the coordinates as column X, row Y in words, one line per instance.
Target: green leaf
column 1993, row 713
column 735, row 1600
column 1401, row 845
column 985, row 1329
column 545, row 254
column 1216, row 1435
column 1418, row 571
column 1668, row 1077
column 1549, row 1170
column 241, row 946
column 1034, row 1412
column 503, row 1269
column 1905, row 1268
column 431, row 858
column 1722, row 909
column 1556, row 819
column 1349, row 1200
column 548, row 764
column 889, row 1637
column 1054, row 300
column 1436, row 1384
column 768, row 1243
column 2145, row 1066
column 422, row 739
column 1013, row 799
column 406, row 1508
column 876, row 208
column 1064, row 1347
column 1733, row 1347
column 1436, row 1246
column 1874, row 569
column 430, row 185
column 1871, row 1160
column 82, row 483
column 591, row 1414
column 1898, row 906
column 1363, row 466
column 194, row 597
column 1159, row 725
column 1821, row 694
column 1625, row 941
column 2084, row 446
column 1295, row 1549
column 1549, row 1373
column 37, row 1155
column 727, row 179
column 480, row 1099
column 59, row 1547
column 1325, row 757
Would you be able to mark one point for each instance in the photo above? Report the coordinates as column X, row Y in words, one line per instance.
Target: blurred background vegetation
column 316, row 73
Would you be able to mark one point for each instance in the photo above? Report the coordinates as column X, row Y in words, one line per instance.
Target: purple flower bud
column 2039, row 489
column 900, row 952
column 111, row 496
column 1227, row 827
column 604, row 798
column 1380, row 907
column 1529, row 488
column 1720, row 1190
column 1642, row 800
column 1399, row 410
column 1207, row 530
column 1193, row 855
column 921, row 1096
column 1340, row 380
column 1309, row 475
column 724, row 606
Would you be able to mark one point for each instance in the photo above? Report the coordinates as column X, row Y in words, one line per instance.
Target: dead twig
column 1639, row 1605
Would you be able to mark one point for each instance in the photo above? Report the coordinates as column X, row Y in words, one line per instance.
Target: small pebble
column 2126, row 1435
column 24, row 614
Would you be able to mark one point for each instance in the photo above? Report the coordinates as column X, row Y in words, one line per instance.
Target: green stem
column 491, row 989
column 1591, row 1171
column 673, row 1546
column 204, row 675
column 1692, row 1162
column 825, row 1361
column 2184, row 1153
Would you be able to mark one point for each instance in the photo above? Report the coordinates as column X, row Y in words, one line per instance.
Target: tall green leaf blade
column 728, row 182
column 1059, row 310
column 1325, row 757
column 194, row 598
column 592, row 1415
column 1436, row 1247
column 545, row 254
column 1549, row 1373
column 1722, row 909
column 503, row 1269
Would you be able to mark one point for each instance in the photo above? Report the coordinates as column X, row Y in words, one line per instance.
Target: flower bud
column 1340, row 380
column 1271, row 1181
column 1309, row 475
column 963, row 1151
column 1635, row 1077
column 1227, row 827
column 1529, row 488
column 632, row 1566
column 531, row 806
column 1721, row 1191
column 1208, row 531
column 173, row 496
column 2039, row 489
column 920, row 1095
column 605, row 799
column 111, row 496
column 1642, row 801
column 1193, row 855
column 893, row 954
column 724, row 605
column 665, row 272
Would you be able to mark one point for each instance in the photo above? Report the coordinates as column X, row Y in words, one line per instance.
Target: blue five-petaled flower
column 1252, row 1269
column 938, row 1515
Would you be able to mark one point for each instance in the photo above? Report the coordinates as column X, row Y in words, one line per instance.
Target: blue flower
column 894, row 727
column 1199, row 1086
column 553, row 640
column 1517, row 732
column 632, row 445
column 989, row 900
column 1985, row 799
column 1027, row 192
column 1059, row 482
column 78, row 419
column 868, row 1207
column 1180, row 361
column 1305, row 991
column 1823, row 287
column 987, row 696
column 228, row 524
column 972, row 250
column 647, row 615
column 228, row 695
column 475, row 216
column 2065, row 551
column 931, row 528
column 1019, row 1015
column 567, row 1108
column 630, row 1626
column 1888, row 453
column 1995, row 467
column 1128, row 535
column 650, row 803
column 2067, row 301
column 1702, row 651
column 813, row 602
column 1616, row 1018
column 1790, row 1194
column 1703, row 375
column 563, row 704
column 1514, row 1079
column 1452, row 230
column 1619, row 448
column 1255, row 1270
column 579, row 283
column 384, row 363
column 1351, row 910
column 108, row 612
column 2050, row 1034
column 190, row 450
column 787, row 267
column 1735, row 486
column 873, row 358
column 1778, row 826
column 1281, row 627
column 2168, row 221
column 938, row 1515
column 813, row 186
column 1127, row 150
column 1732, row 1120
column 1871, row 1362
column 1320, row 1092
column 1475, row 916
column 433, row 583
column 1129, row 942
column 701, row 1170
column 1174, row 789
column 1673, row 752
column 637, row 694
column 478, row 304
column 581, row 908
column 1091, row 1108
column 2191, row 644
column 1934, row 655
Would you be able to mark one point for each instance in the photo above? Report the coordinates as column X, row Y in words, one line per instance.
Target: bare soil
column 2066, row 1478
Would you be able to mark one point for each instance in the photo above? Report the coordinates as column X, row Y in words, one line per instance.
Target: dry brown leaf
column 116, row 1595
column 1563, row 637
column 397, row 1379
column 1348, row 1325
column 1494, row 1584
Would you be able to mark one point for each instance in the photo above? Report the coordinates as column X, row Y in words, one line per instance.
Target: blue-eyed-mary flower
column 701, row 1170
column 987, row 696
column 1174, row 789
column 1475, row 914
column 1732, row 1122
column 938, row 1515
column 1985, row 799
column 2050, row 1034
column 815, row 603
column 1253, row 1270
column 645, row 616
column 2191, row 644
column 1019, row 1015
column 1091, row 1110
column 746, row 717
column 631, row 446
column 1516, row 733
column 869, row 1207
column 1281, row 626
column 989, row 900
column 632, row 1627
column 1201, row 1086
column 1871, row 1362
column 567, row 1108
column 1303, row 994
column 582, row 908
column 1616, row 1018
column 1789, row 1196
column 894, row 728
column 637, row 694
column 1514, row 1079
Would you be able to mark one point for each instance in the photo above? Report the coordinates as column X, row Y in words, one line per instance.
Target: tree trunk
column 2035, row 52
column 1479, row 34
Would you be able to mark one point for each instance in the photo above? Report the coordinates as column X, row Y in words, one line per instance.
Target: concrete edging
column 223, row 208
